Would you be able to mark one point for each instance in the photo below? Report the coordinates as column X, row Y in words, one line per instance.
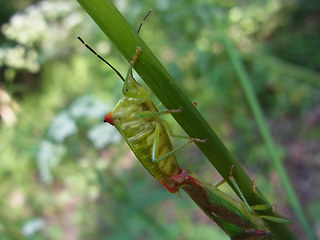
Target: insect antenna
column 145, row 17
column 105, row 61
column 101, row 58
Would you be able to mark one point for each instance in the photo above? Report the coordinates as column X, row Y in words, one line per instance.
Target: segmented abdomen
column 141, row 134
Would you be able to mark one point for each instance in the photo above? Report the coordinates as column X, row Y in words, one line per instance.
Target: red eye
column 109, row 118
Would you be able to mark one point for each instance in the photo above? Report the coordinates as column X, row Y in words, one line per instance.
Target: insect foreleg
column 129, row 73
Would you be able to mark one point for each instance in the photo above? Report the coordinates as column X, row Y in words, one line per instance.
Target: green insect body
column 146, row 136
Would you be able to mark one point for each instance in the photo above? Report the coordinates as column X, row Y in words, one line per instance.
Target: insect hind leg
column 191, row 140
column 278, row 219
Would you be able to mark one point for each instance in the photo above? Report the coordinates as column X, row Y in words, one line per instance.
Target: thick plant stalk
column 163, row 86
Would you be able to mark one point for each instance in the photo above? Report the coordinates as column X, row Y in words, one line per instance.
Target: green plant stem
column 112, row 23
column 264, row 130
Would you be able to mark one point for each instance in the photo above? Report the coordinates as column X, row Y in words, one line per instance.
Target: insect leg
column 160, row 105
column 155, row 146
column 258, row 206
column 170, row 132
column 182, row 146
column 251, row 208
column 129, row 73
column 238, row 189
column 138, row 50
column 281, row 219
column 278, row 219
column 150, row 114
column 167, row 126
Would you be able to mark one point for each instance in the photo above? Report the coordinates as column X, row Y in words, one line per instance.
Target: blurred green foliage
column 65, row 175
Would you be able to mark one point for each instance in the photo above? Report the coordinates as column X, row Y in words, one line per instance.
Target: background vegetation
column 65, row 175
